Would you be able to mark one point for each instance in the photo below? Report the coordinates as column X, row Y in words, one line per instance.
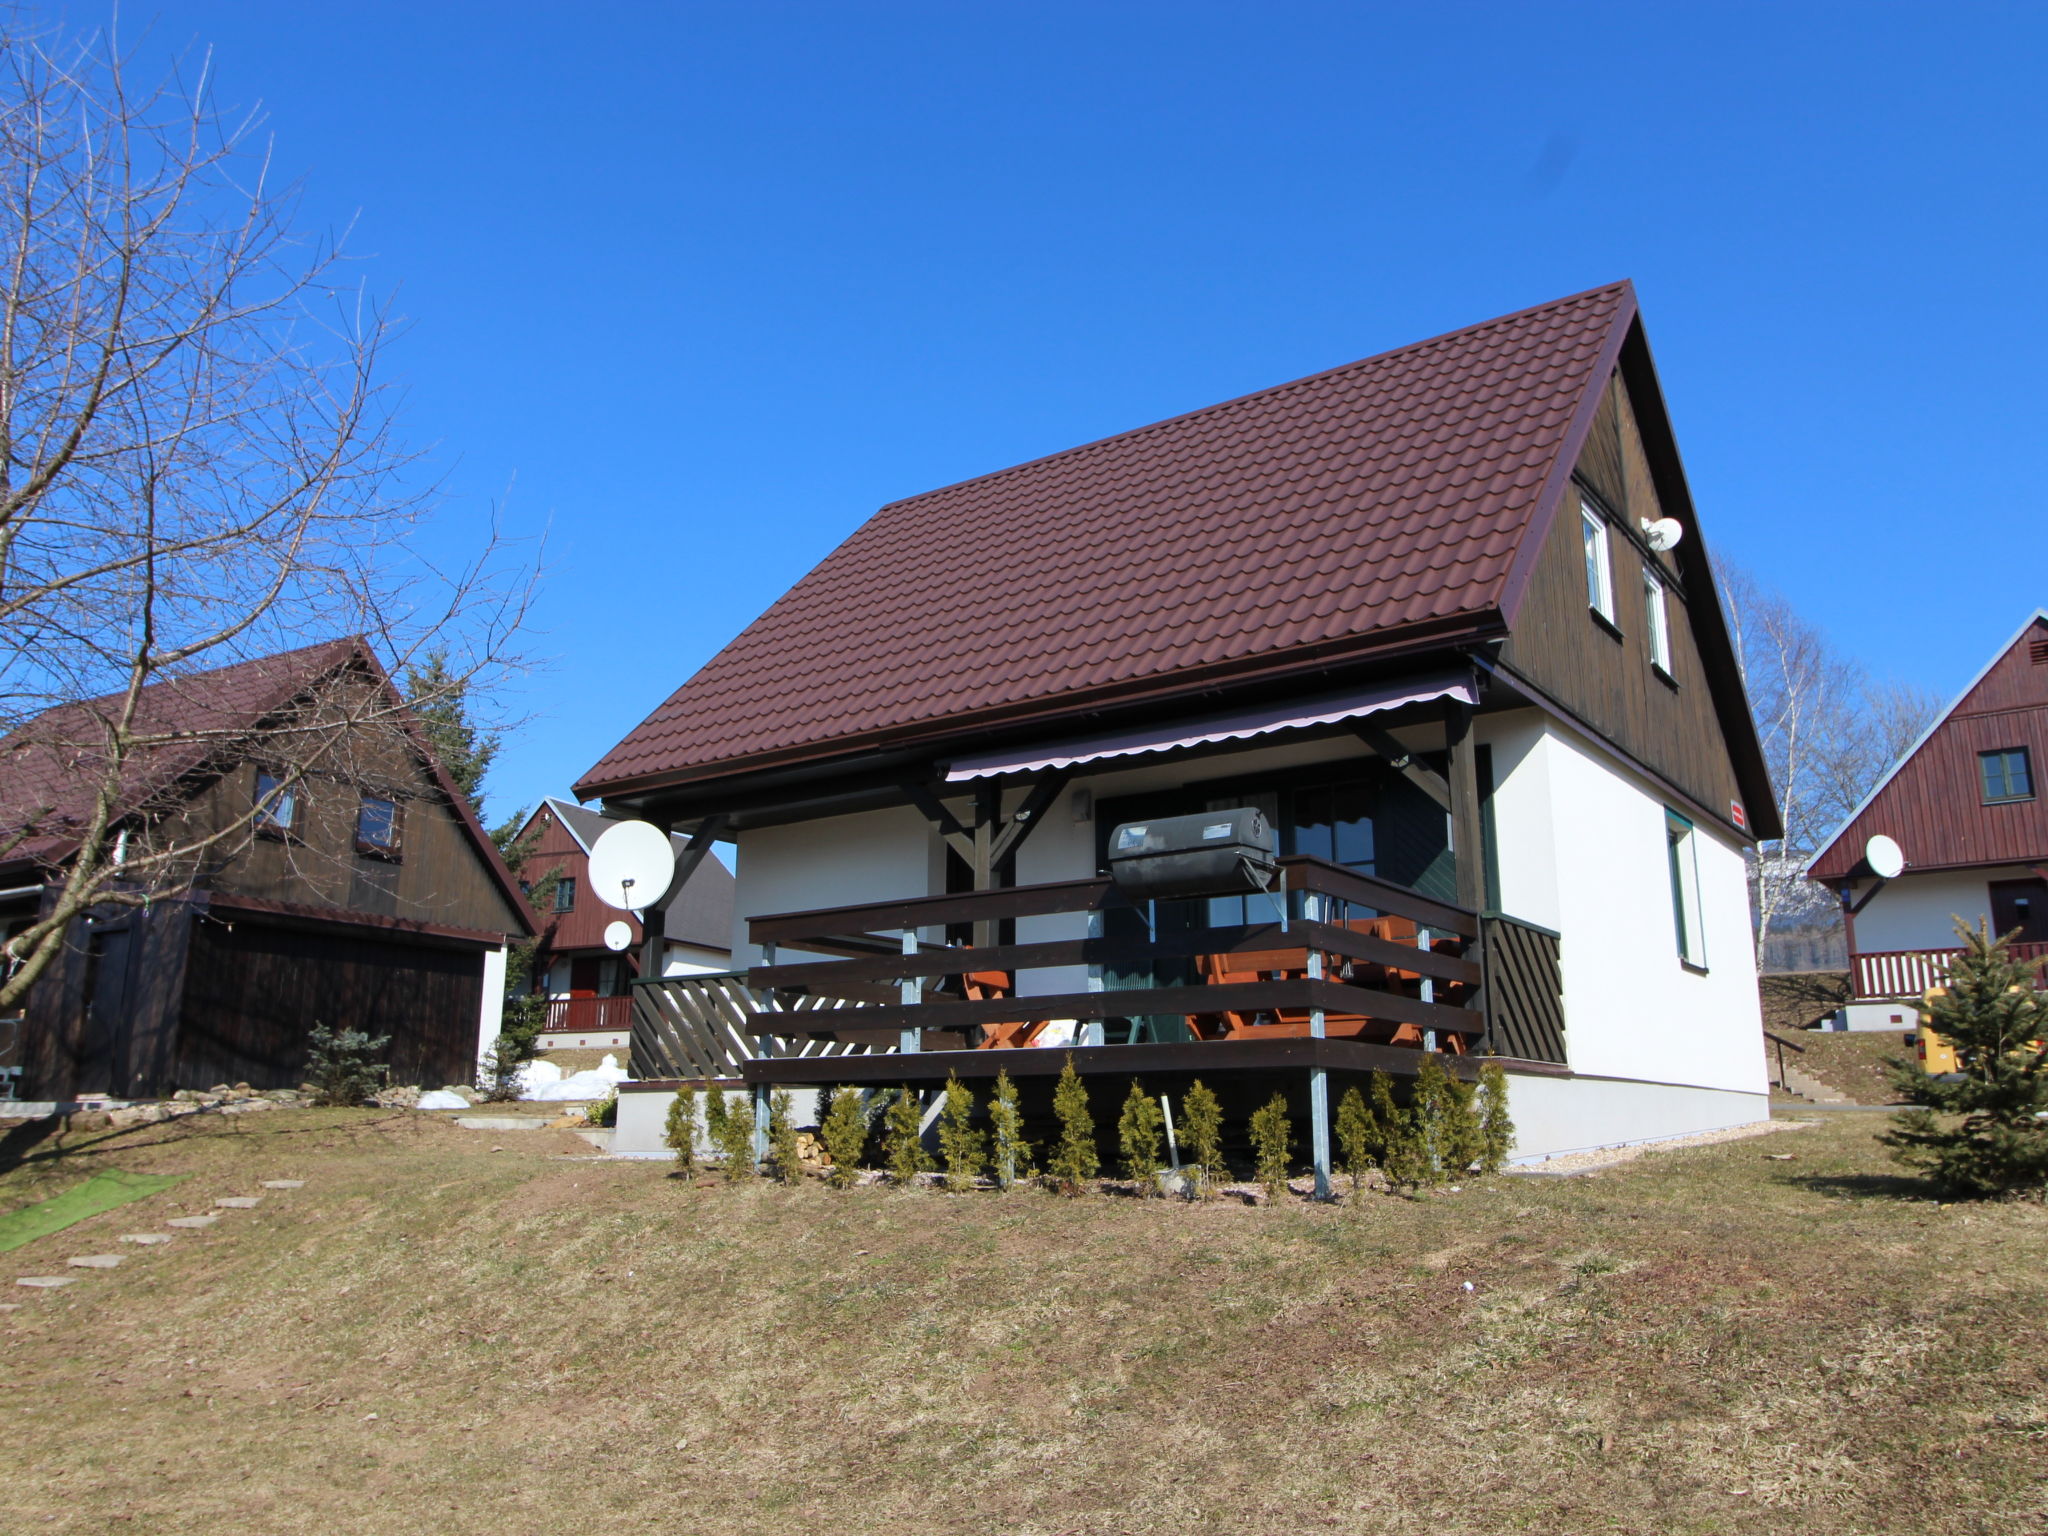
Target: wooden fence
column 705, row 1026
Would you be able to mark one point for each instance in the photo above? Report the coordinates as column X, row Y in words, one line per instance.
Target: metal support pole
column 760, row 1124
column 1423, row 940
column 1319, row 1128
column 911, row 992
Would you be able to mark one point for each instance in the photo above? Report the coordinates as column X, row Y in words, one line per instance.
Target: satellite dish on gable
column 1664, row 533
column 1884, row 857
column 631, row 866
column 617, row 935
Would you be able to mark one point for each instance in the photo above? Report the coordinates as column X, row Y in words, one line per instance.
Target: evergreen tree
column 439, row 700
column 785, row 1160
column 732, row 1132
column 1358, row 1136
column 1446, row 1119
column 1074, row 1160
column 1201, row 1117
column 903, row 1139
column 1985, row 1133
column 963, row 1147
column 1139, row 1130
column 680, row 1130
column 1401, row 1152
column 1012, row 1153
column 1496, row 1129
column 844, row 1130
column 1272, row 1138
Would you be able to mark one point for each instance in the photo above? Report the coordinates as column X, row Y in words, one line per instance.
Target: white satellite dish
column 617, row 935
column 1664, row 533
column 631, row 866
column 1884, row 857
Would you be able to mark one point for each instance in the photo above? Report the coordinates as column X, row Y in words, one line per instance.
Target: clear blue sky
column 704, row 284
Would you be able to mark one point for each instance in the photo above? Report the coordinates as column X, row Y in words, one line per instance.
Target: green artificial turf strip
column 101, row 1192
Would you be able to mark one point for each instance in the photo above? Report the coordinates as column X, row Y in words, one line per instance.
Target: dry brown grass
column 1704, row 1341
column 1853, row 1062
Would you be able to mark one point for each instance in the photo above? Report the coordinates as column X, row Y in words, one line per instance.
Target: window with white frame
column 1599, row 574
column 1659, row 621
column 277, row 805
column 1681, row 847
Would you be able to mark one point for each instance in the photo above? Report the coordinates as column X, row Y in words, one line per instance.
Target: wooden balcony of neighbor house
column 1332, row 961
column 1883, row 975
column 588, row 1015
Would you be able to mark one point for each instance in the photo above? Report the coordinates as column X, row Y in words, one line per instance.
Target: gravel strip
column 1614, row 1157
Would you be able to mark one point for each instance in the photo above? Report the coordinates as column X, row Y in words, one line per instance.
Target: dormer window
column 277, row 805
column 2007, row 775
column 1599, row 570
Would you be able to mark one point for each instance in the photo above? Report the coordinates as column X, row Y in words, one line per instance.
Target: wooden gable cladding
column 583, row 926
column 1605, row 678
column 1933, row 806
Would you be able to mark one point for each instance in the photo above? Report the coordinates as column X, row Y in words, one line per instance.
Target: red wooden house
column 1964, row 806
column 586, row 982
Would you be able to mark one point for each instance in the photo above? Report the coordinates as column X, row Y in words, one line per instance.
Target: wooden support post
column 1466, row 837
column 911, row 991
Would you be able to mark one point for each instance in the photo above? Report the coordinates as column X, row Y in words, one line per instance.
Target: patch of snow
column 441, row 1098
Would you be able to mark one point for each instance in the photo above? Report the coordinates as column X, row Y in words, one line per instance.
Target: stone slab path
column 238, row 1202
column 149, row 1239
column 47, row 1282
column 95, row 1261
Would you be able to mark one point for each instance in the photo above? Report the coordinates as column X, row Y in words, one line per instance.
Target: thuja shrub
column 1010, row 1152
column 1358, row 1138
column 732, row 1132
column 1074, row 1158
column 1201, row 1128
column 963, row 1147
column 844, row 1130
column 1446, row 1121
column 1397, row 1138
column 785, row 1161
column 903, row 1139
column 1272, row 1137
column 1139, row 1130
column 679, row 1131
column 1496, row 1129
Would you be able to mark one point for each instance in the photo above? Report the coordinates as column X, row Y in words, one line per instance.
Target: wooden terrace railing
column 588, row 1015
column 1378, row 961
column 1908, row 973
column 708, row 1025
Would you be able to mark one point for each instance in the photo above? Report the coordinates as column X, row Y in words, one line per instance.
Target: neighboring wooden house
column 1965, row 807
column 365, row 895
column 586, row 982
column 1411, row 608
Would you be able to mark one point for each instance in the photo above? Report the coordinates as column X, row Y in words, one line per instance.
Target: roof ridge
column 1199, row 412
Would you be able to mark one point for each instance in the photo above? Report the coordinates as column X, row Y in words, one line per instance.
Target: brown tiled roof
column 50, row 768
column 1336, row 515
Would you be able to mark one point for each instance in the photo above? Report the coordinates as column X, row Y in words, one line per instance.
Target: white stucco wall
column 836, row 861
column 1582, row 850
column 1915, row 911
column 692, row 960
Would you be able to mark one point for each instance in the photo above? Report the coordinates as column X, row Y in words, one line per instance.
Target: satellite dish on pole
column 617, row 936
column 631, row 866
column 1884, row 857
column 1663, row 533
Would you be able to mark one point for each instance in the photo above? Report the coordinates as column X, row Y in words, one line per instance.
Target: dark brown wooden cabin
column 375, row 902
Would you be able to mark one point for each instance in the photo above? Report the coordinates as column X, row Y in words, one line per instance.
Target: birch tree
column 198, row 464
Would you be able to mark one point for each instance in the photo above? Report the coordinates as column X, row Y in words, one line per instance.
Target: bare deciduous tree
column 1829, row 729
column 197, row 463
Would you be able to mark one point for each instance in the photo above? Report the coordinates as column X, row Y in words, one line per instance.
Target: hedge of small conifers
column 1447, row 1129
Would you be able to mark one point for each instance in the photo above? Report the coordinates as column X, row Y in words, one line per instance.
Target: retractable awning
column 1169, row 736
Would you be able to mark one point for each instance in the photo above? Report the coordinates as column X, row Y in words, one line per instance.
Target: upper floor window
column 1659, row 621
column 2007, row 775
column 377, row 826
column 1599, row 573
column 565, row 894
column 277, row 804
column 1681, row 852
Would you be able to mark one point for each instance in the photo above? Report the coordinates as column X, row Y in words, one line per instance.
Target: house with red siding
column 1964, row 808
column 587, row 982
column 1435, row 634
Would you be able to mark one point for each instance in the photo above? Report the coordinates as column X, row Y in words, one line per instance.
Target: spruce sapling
column 1272, row 1135
column 1358, row 1137
column 1997, row 1144
column 679, row 1131
column 1496, row 1130
column 1006, row 1121
column 844, row 1130
column 903, row 1139
column 1201, row 1127
column 1138, row 1132
column 785, row 1161
column 1074, row 1160
column 960, row 1144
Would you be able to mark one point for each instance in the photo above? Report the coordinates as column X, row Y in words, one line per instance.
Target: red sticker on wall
column 1737, row 815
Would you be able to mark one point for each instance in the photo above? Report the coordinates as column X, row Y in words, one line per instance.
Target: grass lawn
column 435, row 1336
